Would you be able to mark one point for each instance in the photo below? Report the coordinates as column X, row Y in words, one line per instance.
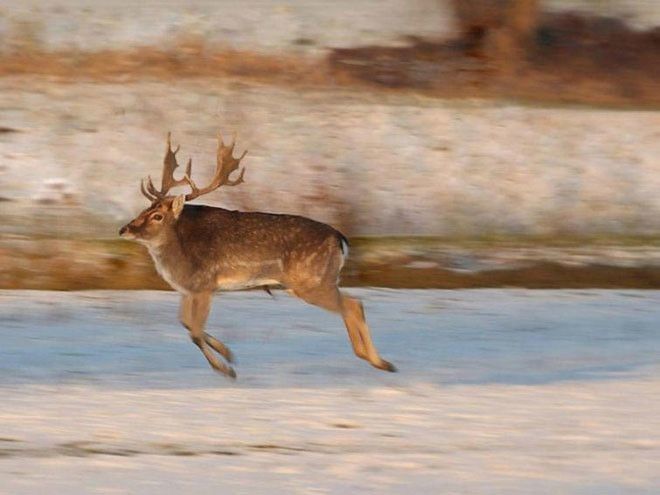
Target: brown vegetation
column 567, row 57
column 58, row 264
column 163, row 64
column 541, row 275
column 509, row 49
column 498, row 30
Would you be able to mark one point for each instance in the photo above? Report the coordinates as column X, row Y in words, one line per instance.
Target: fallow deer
column 199, row 249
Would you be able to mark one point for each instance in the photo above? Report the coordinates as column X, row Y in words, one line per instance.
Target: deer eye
column 158, row 217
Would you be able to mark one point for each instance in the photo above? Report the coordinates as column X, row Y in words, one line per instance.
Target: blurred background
column 499, row 145
column 472, row 143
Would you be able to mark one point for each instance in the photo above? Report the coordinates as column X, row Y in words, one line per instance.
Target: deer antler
column 168, row 181
column 226, row 163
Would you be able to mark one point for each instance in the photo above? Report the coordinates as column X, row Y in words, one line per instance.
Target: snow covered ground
column 499, row 391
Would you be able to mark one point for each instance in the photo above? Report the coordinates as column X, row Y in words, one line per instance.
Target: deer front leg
column 194, row 312
column 219, row 347
column 185, row 316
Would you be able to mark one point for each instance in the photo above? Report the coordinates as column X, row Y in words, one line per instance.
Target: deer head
column 153, row 223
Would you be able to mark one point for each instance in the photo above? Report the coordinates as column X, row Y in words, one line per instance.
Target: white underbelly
column 228, row 283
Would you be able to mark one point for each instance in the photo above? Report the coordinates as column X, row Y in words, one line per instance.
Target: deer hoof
column 385, row 366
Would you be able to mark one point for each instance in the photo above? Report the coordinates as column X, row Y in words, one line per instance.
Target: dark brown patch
column 570, row 57
column 345, row 426
column 183, row 453
column 78, row 449
column 539, row 275
column 224, row 452
column 276, row 448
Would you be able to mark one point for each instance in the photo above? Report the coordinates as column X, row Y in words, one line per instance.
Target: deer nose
column 123, row 230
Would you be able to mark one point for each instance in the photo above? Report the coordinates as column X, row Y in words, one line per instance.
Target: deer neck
column 170, row 260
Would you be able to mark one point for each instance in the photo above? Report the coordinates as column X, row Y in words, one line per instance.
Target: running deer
column 199, row 249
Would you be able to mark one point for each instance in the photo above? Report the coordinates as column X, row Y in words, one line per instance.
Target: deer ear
column 177, row 205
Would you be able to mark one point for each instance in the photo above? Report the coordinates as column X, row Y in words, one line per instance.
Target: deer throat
column 163, row 269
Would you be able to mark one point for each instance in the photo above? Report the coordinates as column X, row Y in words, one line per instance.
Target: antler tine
column 188, row 168
column 239, row 180
column 233, row 141
column 146, row 194
column 169, row 165
column 152, row 189
column 168, row 181
column 226, row 164
column 169, row 144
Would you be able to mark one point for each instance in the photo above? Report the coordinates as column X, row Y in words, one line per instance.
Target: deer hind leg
column 352, row 312
column 194, row 313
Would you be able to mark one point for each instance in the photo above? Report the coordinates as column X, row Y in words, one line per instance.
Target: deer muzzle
column 126, row 232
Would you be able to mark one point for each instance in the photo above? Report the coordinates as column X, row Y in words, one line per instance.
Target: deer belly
column 239, row 283
column 248, row 274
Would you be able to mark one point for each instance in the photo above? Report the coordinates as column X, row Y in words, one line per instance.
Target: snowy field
column 499, row 392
